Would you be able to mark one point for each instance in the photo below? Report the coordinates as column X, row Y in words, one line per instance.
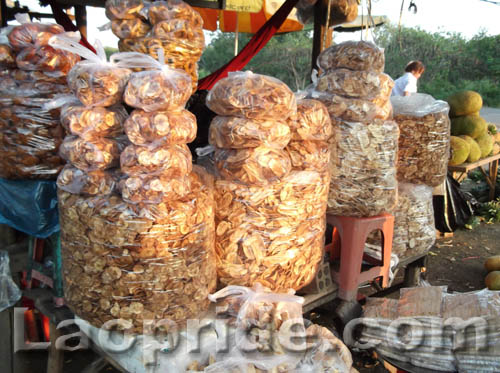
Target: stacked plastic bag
column 414, row 230
column 172, row 26
column 268, row 334
column 137, row 240
column 269, row 214
column 357, row 95
column 33, row 73
column 432, row 329
column 424, row 143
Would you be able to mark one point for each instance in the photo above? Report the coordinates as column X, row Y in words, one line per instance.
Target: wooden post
column 323, row 34
column 493, row 173
column 81, row 19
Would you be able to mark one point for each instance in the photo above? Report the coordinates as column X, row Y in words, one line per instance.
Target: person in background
column 407, row 84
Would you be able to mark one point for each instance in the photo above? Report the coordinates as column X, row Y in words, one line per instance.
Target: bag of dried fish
column 363, row 181
column 312, row 121
column 161, row 127
column 238, row 133
column 261, row 165
column 353, row 55
column 138, row 262
column 253, row 96
column 424, row 143
column 414, row 230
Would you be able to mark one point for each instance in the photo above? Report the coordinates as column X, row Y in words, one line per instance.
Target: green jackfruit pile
column 468, row 126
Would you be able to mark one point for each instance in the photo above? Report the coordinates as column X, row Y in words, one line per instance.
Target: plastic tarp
column 30, row 206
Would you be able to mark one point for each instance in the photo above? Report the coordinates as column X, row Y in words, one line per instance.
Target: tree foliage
column 286, row 57
column 452, row 62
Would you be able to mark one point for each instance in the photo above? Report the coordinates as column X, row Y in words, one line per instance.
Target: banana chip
column 239, row 133
column 363, row 181
column 259, row 165
column 138, row 262
column 271, row 234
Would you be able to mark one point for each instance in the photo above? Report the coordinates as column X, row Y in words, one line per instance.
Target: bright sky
column 465, row 16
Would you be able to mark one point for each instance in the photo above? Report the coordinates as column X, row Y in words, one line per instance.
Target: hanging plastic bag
column 95, row 82
column 253, row 96
column 158, row 88
column 9, row 291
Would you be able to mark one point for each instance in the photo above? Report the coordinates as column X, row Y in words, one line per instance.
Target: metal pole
column 236, row 34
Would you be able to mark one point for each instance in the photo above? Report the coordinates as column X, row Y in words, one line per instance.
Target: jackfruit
column 464, row 103
column 475, row 152
column 496, row 149
column 459, row 151
column 492, row 128
column 470, row 125
column 485, row 143
column 497, row 137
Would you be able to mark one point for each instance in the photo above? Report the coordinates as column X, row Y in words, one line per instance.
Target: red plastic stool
column 353, row 233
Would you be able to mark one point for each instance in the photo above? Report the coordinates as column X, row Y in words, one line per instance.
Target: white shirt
column 406, row 83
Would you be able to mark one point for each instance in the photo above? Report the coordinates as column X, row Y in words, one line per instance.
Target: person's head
column 417, row 68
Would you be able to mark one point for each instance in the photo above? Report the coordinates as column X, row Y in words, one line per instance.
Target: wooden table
column 460, row 172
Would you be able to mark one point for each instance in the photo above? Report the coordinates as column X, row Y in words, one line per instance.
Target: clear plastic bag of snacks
column 253, row 96
column 130, row 28
column 91, row 183
column 167, row 160
column 414, row 230
column 239, row 133
column 173, row 10
column 348, row 83
column 96, row 154
column 353, row 55
column 153, row 189
column 161, row 127
column 159, row 88
column 95, row 81
column 33, row 35
column 7, row 57
column 272, row 234
column 312, row 121
column 363, row 180
column 309, row 155
column 93, row 122
column 30, row 135
column 259, row 165
column 424, row 143
column 139, row 262
column 347, row 108
column 124, row 9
